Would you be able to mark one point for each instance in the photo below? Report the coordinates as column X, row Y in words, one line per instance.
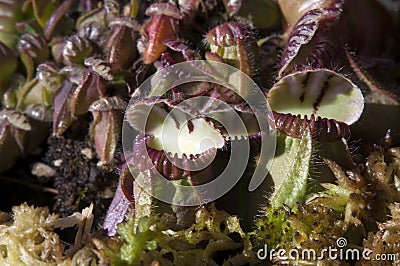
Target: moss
column 213, row 239
column 385, row 242
column 29, row 238
column 319, row 221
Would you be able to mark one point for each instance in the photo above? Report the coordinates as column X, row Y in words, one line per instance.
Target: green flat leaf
column 8, row 64
column 290, row 170
column 10, row 14
column 43, row 9
column 264, row 14
column 134, row 8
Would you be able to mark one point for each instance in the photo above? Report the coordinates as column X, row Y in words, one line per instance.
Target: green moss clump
column 215, row 238
column 29, row 238
column 320, row 221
